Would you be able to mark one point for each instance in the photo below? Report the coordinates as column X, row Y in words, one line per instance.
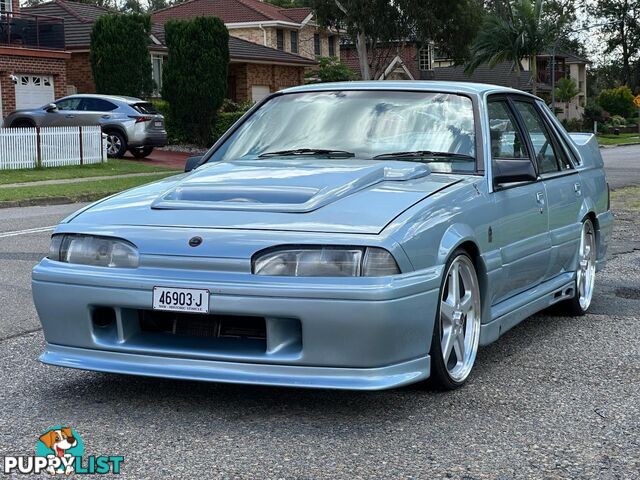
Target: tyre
column 585, row 272
column 456, row 332
column 141, row 152
column 116, row 144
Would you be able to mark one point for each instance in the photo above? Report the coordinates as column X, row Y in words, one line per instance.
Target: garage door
column 33, row 90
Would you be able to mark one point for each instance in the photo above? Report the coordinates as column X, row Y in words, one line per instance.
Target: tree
column 565, row 91
column 330, row 69
column 523, row 33
column 621, row 29
column 617, row 101
column 119, row 55
column 375, row 25
column 195, row 75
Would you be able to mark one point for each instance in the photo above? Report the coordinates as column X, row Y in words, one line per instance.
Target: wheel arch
column 462, row 236
column 115, row 128
column 22, row 120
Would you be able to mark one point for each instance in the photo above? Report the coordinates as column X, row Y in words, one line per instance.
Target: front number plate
column 181, row 299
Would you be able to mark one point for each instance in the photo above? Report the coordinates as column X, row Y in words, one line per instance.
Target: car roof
column 116, row 98
column 468, row 88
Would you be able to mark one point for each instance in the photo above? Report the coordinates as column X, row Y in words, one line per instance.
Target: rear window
column 146, row 108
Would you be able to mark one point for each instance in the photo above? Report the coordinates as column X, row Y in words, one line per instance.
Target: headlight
column 325, row 262
column 91, row 250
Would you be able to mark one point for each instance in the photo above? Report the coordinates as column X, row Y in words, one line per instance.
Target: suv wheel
column 141, row 152
column 116, row 144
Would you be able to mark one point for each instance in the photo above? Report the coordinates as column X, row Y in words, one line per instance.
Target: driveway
column 163, row 158
column 556, row 397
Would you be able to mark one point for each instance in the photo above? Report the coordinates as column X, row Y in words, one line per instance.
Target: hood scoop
column 272, row 186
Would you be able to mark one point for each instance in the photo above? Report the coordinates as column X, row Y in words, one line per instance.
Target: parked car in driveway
column 129, row 123
column 360, row 235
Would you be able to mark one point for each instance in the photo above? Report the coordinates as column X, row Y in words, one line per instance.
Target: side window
column 68, row 104
column 547, row 154
column 506, row 141
column 97, row 105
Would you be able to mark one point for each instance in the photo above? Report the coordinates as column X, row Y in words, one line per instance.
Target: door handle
column 577, row 188
column 540, row 200
column 106, row 116
column 70, row 116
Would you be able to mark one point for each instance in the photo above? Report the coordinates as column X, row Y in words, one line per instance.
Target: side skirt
column 508, row 313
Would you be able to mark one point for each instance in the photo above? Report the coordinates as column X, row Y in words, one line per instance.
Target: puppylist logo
column 60, row 450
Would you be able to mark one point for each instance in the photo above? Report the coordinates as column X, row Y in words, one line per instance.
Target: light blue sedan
column 350, row 235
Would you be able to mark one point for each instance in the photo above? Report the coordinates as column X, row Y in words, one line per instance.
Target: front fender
column 454, row 236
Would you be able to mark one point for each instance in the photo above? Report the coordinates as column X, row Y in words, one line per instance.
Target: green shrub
column 119, row 55
column 617, row 121
column 175, row 133
column 617, row 101
column 229, row 105
column 195, row 75
column 223, row 122
column 330, row 69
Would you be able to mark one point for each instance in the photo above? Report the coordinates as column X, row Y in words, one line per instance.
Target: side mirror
column 191, row 163
column 52, row 107
column 513, row 170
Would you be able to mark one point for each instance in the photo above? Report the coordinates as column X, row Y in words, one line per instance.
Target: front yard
column 48, row 185
column 622, row 139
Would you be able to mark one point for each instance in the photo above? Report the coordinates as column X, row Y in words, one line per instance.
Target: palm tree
column 566, row 90
column 521, row 33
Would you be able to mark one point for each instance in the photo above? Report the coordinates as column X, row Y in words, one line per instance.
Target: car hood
column 315, row 195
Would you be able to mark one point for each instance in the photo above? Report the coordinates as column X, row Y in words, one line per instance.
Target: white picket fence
column 50, row 147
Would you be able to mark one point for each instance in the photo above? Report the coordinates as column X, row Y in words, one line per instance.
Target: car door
column 521, row 231
column 65, row 115
column 95, row 111
column 562, row 184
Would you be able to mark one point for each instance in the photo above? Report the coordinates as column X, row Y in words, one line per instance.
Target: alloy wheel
column 586, row 271
column 114, row 144
column 460, row 315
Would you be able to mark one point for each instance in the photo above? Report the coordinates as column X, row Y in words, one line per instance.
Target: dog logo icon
column 63, row 443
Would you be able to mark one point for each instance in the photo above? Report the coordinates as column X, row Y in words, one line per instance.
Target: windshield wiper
column 425, row 153
column 308, row 151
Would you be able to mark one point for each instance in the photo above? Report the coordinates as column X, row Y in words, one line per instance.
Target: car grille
column 199, row 325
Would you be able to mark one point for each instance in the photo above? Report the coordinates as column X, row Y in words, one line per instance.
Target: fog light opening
column 104, row 316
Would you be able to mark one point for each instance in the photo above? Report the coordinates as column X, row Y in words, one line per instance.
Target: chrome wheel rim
column 460, row 315
column 586, row 272
column 113, row 144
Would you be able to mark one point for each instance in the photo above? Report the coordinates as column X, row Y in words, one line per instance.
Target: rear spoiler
column 587, row 149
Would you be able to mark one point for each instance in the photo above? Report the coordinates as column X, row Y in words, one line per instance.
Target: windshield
column 432, row 127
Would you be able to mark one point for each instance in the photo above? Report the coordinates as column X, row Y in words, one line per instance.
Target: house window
column 156, row 73
column 425, row 58
column 280, row 39
column 6, row 5
column 316, row 44
column 332, row 46
column 294, row 41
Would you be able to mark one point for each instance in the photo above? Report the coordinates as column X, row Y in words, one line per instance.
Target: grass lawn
column 627, row 198
column 112, row 167
column 622, row 139
column 80, row 190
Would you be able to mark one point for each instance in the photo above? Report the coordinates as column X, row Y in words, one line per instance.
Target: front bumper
column 368, row 334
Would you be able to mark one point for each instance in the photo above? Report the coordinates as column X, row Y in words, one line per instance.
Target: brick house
column 32, row 59
column 255, row 69
column 405, row 60
column 291, row 30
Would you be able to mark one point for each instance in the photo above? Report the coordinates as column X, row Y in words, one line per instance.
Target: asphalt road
column 556, row 397
column 622, row 165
